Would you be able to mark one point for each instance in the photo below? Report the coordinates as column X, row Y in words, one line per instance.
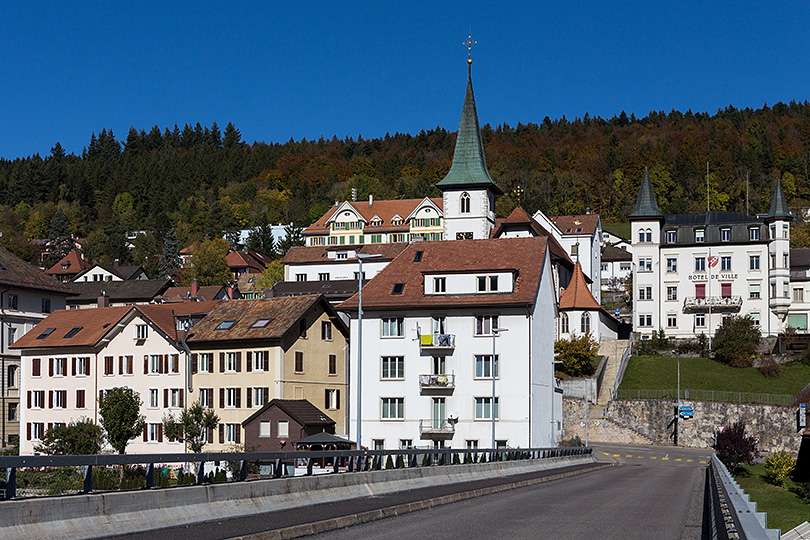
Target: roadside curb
column 298, row 531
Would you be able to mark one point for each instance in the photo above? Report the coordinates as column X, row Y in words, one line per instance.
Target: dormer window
column 671, row 237
column 65, row 267
column 700, row 235
column 725, row 235
column 397, row 220
column 487, row 283
column 753, row 234
column 464, row 203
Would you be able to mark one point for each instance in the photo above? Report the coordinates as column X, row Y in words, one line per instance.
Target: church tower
column 468, row 190
column 646, row 220
column 778, row 221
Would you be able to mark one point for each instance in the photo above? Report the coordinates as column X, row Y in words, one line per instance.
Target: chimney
column 370, row 199
column 195, row 288
column 103, row 300
column 230, row 293
column 116, row 262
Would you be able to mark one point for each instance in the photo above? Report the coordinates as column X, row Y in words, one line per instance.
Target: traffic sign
column 686, row 411
column 618, row 310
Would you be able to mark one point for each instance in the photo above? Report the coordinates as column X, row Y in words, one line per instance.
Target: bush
column 734, row 448
column 778, row 466
column 770, row 368
column 573, row 442
column 736, row 341
column 577, row 355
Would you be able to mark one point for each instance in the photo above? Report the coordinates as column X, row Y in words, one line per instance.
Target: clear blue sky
column 311, row 69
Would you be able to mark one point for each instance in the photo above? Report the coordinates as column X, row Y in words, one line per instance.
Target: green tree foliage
column 778, row 466
column 272, row 274
column 60, row 236
column 209, row 265
column 577, row 355
column 736, row 341
column 195, row 423
column 76, row 438
column 734, row 448
column 170, row 261
column 119, row 411
column 261, row 239
column 293, row 237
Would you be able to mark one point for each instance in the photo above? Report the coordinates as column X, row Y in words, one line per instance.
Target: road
column 655, row 492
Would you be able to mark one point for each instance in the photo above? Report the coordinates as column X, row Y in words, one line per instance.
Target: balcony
column 721, row 303
column 437, row 343
column 436, row 429
column 437, row 382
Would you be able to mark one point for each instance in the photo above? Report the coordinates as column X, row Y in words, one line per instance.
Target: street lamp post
column 553, row 392
column 678, row 412
column 360, row 258
column 495, row 332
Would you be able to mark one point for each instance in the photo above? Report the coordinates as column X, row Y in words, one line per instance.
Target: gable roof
column 385, row 210
column 208, row 292
column 252, row 260
column 75, row 264
column 646, row 206
column 578, row 295
column 612, row 253
column 300, row 410
column 574, row 225
column 320, row 254
column 139, row 290
column 94, row 323
column 522, row 256
column 163, row 315
column 518, row 219
column 16, row 273
column 126, row 273
column 283, row 313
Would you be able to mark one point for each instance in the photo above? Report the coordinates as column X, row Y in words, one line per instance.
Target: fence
column 40, row 476
column 720, row 396
column 622, row 368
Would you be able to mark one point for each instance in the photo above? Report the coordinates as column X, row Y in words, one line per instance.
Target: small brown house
column 281, row 421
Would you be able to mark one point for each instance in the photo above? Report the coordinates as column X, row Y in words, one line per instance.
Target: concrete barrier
column 89, row 516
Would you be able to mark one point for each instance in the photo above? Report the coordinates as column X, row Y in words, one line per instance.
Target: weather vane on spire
column 469, row 44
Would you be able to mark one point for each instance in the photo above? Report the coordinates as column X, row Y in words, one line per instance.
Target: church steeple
column 646, row 207
column 779, row 207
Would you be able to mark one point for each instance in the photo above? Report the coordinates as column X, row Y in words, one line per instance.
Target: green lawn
column 660, row 372
column 784, row 506
column 622, row 229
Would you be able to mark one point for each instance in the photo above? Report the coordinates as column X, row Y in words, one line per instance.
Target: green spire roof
column 469, row 167
column 645, row 204
column 779, row 207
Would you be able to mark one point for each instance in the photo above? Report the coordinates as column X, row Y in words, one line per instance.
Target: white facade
column 340, row 264
column 468, row 214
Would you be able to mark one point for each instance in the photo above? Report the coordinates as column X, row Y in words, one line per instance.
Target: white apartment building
column 690, row 271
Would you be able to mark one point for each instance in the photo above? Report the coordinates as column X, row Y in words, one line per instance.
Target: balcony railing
column 437, row 341
column 437, row 427
column 698, row 303
column 437, row 382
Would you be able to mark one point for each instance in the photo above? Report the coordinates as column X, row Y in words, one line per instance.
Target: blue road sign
column 686, row 411
column 618, row 311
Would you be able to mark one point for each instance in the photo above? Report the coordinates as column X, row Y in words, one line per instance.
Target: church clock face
column 464, row 236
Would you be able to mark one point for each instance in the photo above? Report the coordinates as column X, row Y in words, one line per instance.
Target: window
column 672, row 265
column 645, row 293
column 785, row 230
column 753, row 290
column 36, row 399
column 233, row 397
column 141, row 331
column 72, row 332
column 299, row 361
column 725, row 235
column 260, row 361
column 699, row 235
column 672, row 292
column 464, row 203
column 378, row 444
column 332, row 364
column 439, row 367
column 59, row 367
column 672, row 320
column 700, row 264
column 36, row 367
column 483, row 366
column 393, row 408
column 785, row 260
column 753, row 262
column 773, row 290
column 398, row 287
column 439, row 285
column 13, row 412
column 624, row 267
column 59, row 399
column 175, row 398
column 225, row 325
column 483, row 408
column 302, row 329
column 405, row 444
column 326, row 330
column 155, row 362
column 485, row 324
column 798, row 295
column 700, row 320
column 471, row 444
column 302, row 277
column 645, row 320
column 393, row 367
column 12, row 335
column 232, row 434
column 393, row 327
column 773, row 260
column 231, row 362
column 332, row 399
column 755, row 317
column 564, row 323
column 487, row 283
column 753, row 234
column 206, row 397
column 109, row 365
column 47, row 332
column 11, row 379
column 261, row 395
column 154, row 402
column 174, row 363
column 283, row 429
column 645, row 264
column 12, row 301
column 575, row 249
column 81, row 366
column 700, row 290
column 785, row 287
column 37, row 430
column 671, row 237
column 204, row 363
column 46, row 305
column 585, row 323
column 725, row 263
column 323, row 276
column 264, row 428
column 603, row 267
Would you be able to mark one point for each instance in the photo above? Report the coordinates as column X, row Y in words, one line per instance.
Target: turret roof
column 645, row 203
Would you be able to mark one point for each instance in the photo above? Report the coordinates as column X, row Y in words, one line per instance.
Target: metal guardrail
column 437, row 341
column 148, row 467
column 436, row 427
column 437, row 382
column 718, row 396
column 701, row 302
column 622, row 368
column 731, row 512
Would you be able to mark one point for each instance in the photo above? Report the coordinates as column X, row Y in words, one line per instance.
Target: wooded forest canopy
column 202, row 182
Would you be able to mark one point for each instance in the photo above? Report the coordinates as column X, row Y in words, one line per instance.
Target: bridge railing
column 40, row 476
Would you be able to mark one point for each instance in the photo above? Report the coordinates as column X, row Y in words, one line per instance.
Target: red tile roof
column 520, row 218
column 319, row 254
column 385, row 210
column 163, row 314
column 523, row 256
column 75, row 264
column 578, row 295
column 208, row 292
column 572, row 224
column 254, row 261
column 94, row 323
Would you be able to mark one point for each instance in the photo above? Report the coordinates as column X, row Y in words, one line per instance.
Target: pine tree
column 233, row 137
column 292, row 237
column 170, row 261
column 261, row 239
column 60, row 236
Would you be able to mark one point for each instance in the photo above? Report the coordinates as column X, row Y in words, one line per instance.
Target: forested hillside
column 201, row 181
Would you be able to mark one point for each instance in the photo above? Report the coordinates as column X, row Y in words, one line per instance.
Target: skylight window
column 260, row 323
column 417, row 257
column 225, row 325
column 46, row 333
column 398, row 288
column 73, row 331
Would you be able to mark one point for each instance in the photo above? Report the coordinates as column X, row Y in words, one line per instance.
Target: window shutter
column 36, row 367
column 210, row 401
column 179, row 433
column 100, row 396
column 194, row 363
column 87, row 367
column 221, row 433
column 29, row 399
column 221, row 398
column 73, row 366
column 249, row 398
column 175, row 363
column 28, row 431
column 238, row 398
column 249, row 362
column 80, row 399
column 130, row 367
column 210, row 437
column 64, row 366
column 267, row 360
column 165, row 397
column 50, row 399
column 326, row 399
column 120, row 365
column 181, row 392
column 222, row 362
column 160, row 432
column 50, row 367
column 145, row 428
column 337, row 398
column 238, row 362
column 266, row 395
column 50, row 426
column 165, row 363
column 145, row 364
column 238, row 433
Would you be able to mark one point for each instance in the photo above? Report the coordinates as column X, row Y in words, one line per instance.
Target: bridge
column 605, row 492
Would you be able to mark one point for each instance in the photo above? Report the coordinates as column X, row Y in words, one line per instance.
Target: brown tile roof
column 139, row 290
column 283, row 312
column 126, row 273
column 523, row 256
column 75, row 264
column 385, row 210
column 252, row 260
column 612, row 253
column 520, row 218
column 319, row 254
column 208, row 292
column 334, row 290
column 94, row 323
column 16, row 273
column 163, row 314
column 572, row 224
column 578, row 295
column 300, row 410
